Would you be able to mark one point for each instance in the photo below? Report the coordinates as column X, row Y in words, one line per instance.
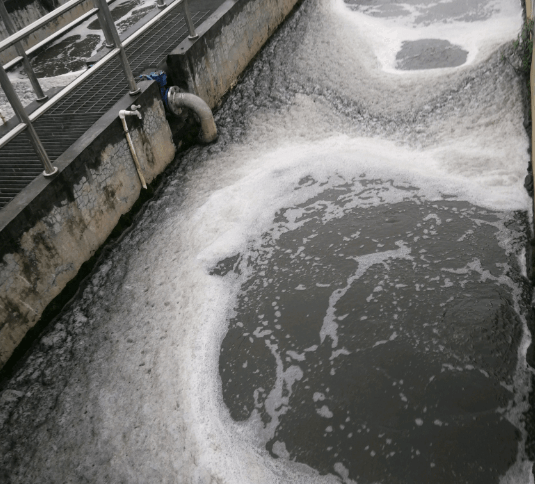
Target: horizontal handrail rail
column 13, row 62
column 29, row 29
column 45, row 107
column 49, row 104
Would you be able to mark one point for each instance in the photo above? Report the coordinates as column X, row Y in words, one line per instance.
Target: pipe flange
column 55, row 170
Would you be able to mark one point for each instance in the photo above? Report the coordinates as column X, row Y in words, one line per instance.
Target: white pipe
column 177, row 100
column 122, row 114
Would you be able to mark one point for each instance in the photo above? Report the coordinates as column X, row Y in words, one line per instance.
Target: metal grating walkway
column 65, row 122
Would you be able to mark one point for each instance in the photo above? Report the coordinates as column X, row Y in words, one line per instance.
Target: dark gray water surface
column 413, row 383
column 374, row 337
column 429, row 54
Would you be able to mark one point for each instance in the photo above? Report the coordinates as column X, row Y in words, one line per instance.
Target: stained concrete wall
column 25, row 12
column 210, row 65
column 529, row 15
column 56, row 224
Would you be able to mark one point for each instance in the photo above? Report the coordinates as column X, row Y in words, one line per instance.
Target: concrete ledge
column 228, row 40
column 55, row 224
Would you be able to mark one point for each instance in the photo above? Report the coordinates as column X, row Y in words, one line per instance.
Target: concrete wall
column 54, row 225
column 24, row 12
column 529, row 15
column 210, row 65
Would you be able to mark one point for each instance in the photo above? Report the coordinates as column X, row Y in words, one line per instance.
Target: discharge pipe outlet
column 177, row 100
column 122, row 114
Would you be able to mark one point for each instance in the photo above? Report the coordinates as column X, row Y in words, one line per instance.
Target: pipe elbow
column 177, row 100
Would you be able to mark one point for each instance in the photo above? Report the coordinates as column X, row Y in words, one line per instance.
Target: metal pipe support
column 23, row 118
column 191, row 28
column 108, row 37
column 10, row 27
column 106, row 14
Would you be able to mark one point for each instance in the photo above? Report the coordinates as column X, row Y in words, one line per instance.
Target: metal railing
column 111, row 40
column 53, row 36
column 11, row 30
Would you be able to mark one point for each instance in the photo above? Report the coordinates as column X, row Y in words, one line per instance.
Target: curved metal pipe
column 177, row 100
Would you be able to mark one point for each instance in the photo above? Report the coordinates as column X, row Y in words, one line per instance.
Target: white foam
column 384, row 36
column 354, row 55
column 329, row 326
column 231, row 200
column 264, row 183
column 324, row 412
column 229, row 213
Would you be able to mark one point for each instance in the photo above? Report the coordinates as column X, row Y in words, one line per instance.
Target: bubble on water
column 325, row 413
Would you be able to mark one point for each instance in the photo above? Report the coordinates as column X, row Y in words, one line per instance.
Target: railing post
column 10, row 27
column 23, row 118
column 108, row 37
column 106, row 14
column 161, row 3
column 189, row 23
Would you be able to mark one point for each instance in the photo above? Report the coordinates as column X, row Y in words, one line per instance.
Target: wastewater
column 337, row 290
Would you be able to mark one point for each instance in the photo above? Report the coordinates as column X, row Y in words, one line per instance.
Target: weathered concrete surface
column 210, row 65
column 529, row 14
column 51, row 228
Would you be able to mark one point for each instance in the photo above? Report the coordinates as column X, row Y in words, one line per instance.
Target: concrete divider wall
column 529, row 15
column 227, row 42
column 54, row 225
